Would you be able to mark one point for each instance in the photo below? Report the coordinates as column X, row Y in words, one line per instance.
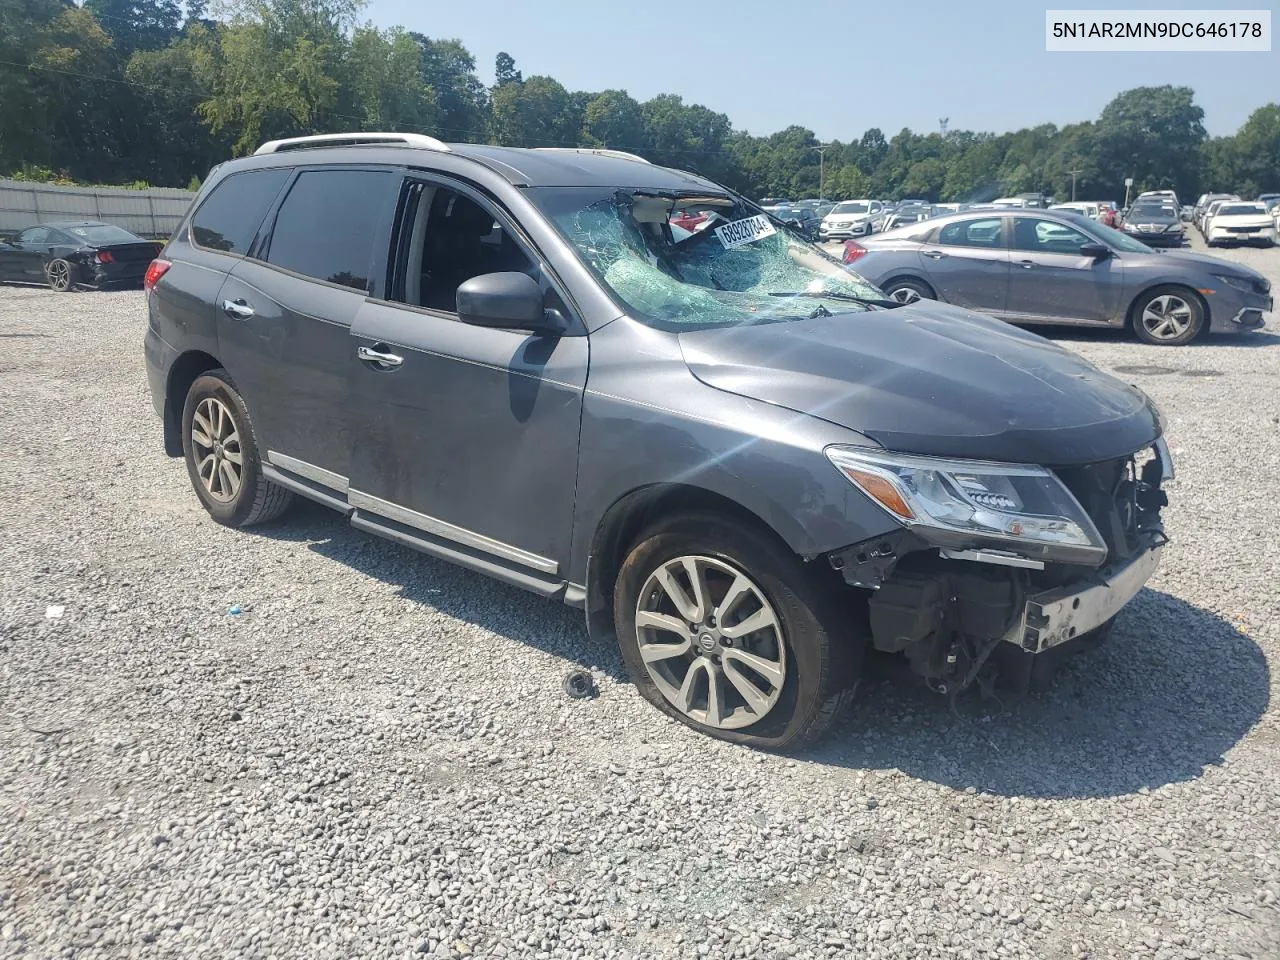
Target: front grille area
column 1102, row 489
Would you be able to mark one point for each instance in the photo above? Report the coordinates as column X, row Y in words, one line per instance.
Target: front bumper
column 1053, row 617
column 860, row 229
column 1237, row 311
column 1158, row 239
column 1260, row 235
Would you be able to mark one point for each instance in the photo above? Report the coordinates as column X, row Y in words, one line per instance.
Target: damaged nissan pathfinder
column 627, row 388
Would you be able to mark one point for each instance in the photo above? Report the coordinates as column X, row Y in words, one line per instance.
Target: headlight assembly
column 1243, row 284
column 965, row 503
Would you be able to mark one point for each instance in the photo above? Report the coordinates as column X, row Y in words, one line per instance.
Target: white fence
column 155, row 212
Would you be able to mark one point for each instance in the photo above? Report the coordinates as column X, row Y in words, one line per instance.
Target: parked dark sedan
column 1155, row 224
column 1041, row 266
column 67, row 254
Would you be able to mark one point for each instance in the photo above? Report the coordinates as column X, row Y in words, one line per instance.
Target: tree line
column 123, row 91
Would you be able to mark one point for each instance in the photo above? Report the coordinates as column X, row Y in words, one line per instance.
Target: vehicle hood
column 1242, row 220
column 1215, row 265
column 932, row 379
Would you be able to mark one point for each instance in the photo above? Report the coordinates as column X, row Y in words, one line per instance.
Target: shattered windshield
column 688, row 261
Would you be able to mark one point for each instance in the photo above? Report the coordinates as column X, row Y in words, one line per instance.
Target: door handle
column 1026, row 264
column 378, row 357
column 237, row 309
column 935, row 254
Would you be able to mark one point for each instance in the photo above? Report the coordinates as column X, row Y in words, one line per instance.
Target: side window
column 331, row 224
column 1046, row 236
column 35, row 235
column 228, row 217
column 452, row 239
column 987, row 232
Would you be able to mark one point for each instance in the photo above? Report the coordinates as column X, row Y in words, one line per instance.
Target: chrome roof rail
column 617, row 154
column 356, row 139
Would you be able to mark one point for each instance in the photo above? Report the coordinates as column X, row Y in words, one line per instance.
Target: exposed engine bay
column 961, row 616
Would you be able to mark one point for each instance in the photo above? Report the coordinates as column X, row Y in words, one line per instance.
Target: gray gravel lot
column 375, row 759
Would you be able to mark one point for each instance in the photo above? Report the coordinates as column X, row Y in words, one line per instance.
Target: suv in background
column 851, row 218
column 744, row 463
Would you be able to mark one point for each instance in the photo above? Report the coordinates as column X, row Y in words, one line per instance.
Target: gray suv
column 626, row 388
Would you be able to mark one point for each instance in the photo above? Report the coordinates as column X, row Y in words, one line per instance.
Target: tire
column 224, row 418
column 909, row 290
column 809, row 640
column 1167, row 316
column 60, row 275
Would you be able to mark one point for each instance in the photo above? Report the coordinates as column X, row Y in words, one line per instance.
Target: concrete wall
column 149, row 213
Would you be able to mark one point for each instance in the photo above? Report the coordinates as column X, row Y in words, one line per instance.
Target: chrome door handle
column 237, row 309
column 384, row 360
column 935, row 254
column 1026, row 264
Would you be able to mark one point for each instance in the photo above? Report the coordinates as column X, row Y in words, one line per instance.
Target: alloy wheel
column 215, row 442
column 59, row 274
column 1167, row 317
column 711, row 642
column 904, row 295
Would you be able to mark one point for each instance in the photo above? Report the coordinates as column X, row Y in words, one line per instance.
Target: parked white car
column 1205, row 204
column 1084, row 208
column 1161, row 195
column 849, row 219
column 1241, row 222
column 1012, row 203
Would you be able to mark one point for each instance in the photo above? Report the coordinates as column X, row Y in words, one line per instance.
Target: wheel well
column 182, row 374
column 627, row 519
column 914, row 279
column 1182, row 287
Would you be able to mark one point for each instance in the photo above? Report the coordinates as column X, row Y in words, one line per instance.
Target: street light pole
column 822, row 170
column 1073, row 183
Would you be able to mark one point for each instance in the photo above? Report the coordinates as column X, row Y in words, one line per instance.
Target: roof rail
column 356, row 139
column 617, row 154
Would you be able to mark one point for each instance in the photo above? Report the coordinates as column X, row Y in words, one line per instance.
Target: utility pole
column 822, row 169
column 1073, row 183
column 942, row 125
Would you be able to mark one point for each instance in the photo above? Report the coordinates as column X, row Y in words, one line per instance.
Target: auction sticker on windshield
column 750, row 230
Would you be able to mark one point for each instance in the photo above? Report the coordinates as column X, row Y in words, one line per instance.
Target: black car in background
column 66, row 254
column 1155, row 224
column 802, row 219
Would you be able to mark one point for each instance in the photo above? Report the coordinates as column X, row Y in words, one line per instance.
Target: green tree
column 612, row 118
column 386, row 82
column 535, row 113
column 504, row 70
column 137, row 24
column 1155, row 135
column 461, row 102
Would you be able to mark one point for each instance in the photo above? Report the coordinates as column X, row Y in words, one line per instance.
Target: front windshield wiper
column 868, row 301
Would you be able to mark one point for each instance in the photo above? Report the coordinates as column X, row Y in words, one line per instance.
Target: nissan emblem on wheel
column 622, row 387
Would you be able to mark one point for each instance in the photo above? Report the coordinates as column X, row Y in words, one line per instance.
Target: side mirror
column 1095, row 250
column 511, row 301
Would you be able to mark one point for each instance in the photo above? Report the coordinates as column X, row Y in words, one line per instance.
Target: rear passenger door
column 285, row 314
column 967, row 263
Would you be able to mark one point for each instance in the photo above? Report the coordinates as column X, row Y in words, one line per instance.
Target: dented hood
column 932, row 379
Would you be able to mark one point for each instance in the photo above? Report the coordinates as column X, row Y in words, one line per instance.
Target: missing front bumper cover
column 1055, row 616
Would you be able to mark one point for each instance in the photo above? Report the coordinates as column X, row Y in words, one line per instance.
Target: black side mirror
column 511, row 301
column 1095, row 250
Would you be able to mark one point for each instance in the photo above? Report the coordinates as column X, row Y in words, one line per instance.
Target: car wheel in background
column 58, row 273
column 724, row 629
column 908, row 290
column 222, row 455
column 1167, row 316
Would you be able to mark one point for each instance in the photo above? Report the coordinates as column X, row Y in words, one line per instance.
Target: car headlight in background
column 963, row 503
column 1173, row 228
column 1130, row 228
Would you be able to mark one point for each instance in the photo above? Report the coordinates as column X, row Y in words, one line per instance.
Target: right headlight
column 1243, row 284
column 966, row 503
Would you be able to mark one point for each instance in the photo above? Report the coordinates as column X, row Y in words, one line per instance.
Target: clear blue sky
column 841, row 66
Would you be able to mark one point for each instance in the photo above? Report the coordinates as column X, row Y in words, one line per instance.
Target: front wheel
column 222, row 456
column 725, row 630
column 58, row 273
column 1168, row 316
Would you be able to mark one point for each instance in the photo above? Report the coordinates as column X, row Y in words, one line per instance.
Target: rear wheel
column 58, row 273
column 222, row 457
column 1168, row 316
column 727, row 631
column 909, row 290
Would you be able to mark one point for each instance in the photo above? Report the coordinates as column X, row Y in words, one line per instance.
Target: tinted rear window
column 330, row 223
column 101, row 233
column 229, row 217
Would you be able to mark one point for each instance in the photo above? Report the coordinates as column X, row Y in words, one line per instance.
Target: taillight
column 157, row 270
column 104, row 256
column 853, row 250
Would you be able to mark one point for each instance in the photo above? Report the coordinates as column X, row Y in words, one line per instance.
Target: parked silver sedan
column 1045, row 267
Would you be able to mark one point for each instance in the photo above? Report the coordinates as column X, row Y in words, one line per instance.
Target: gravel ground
column 375, row 759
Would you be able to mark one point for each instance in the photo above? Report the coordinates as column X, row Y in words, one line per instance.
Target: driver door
column 466, row 437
